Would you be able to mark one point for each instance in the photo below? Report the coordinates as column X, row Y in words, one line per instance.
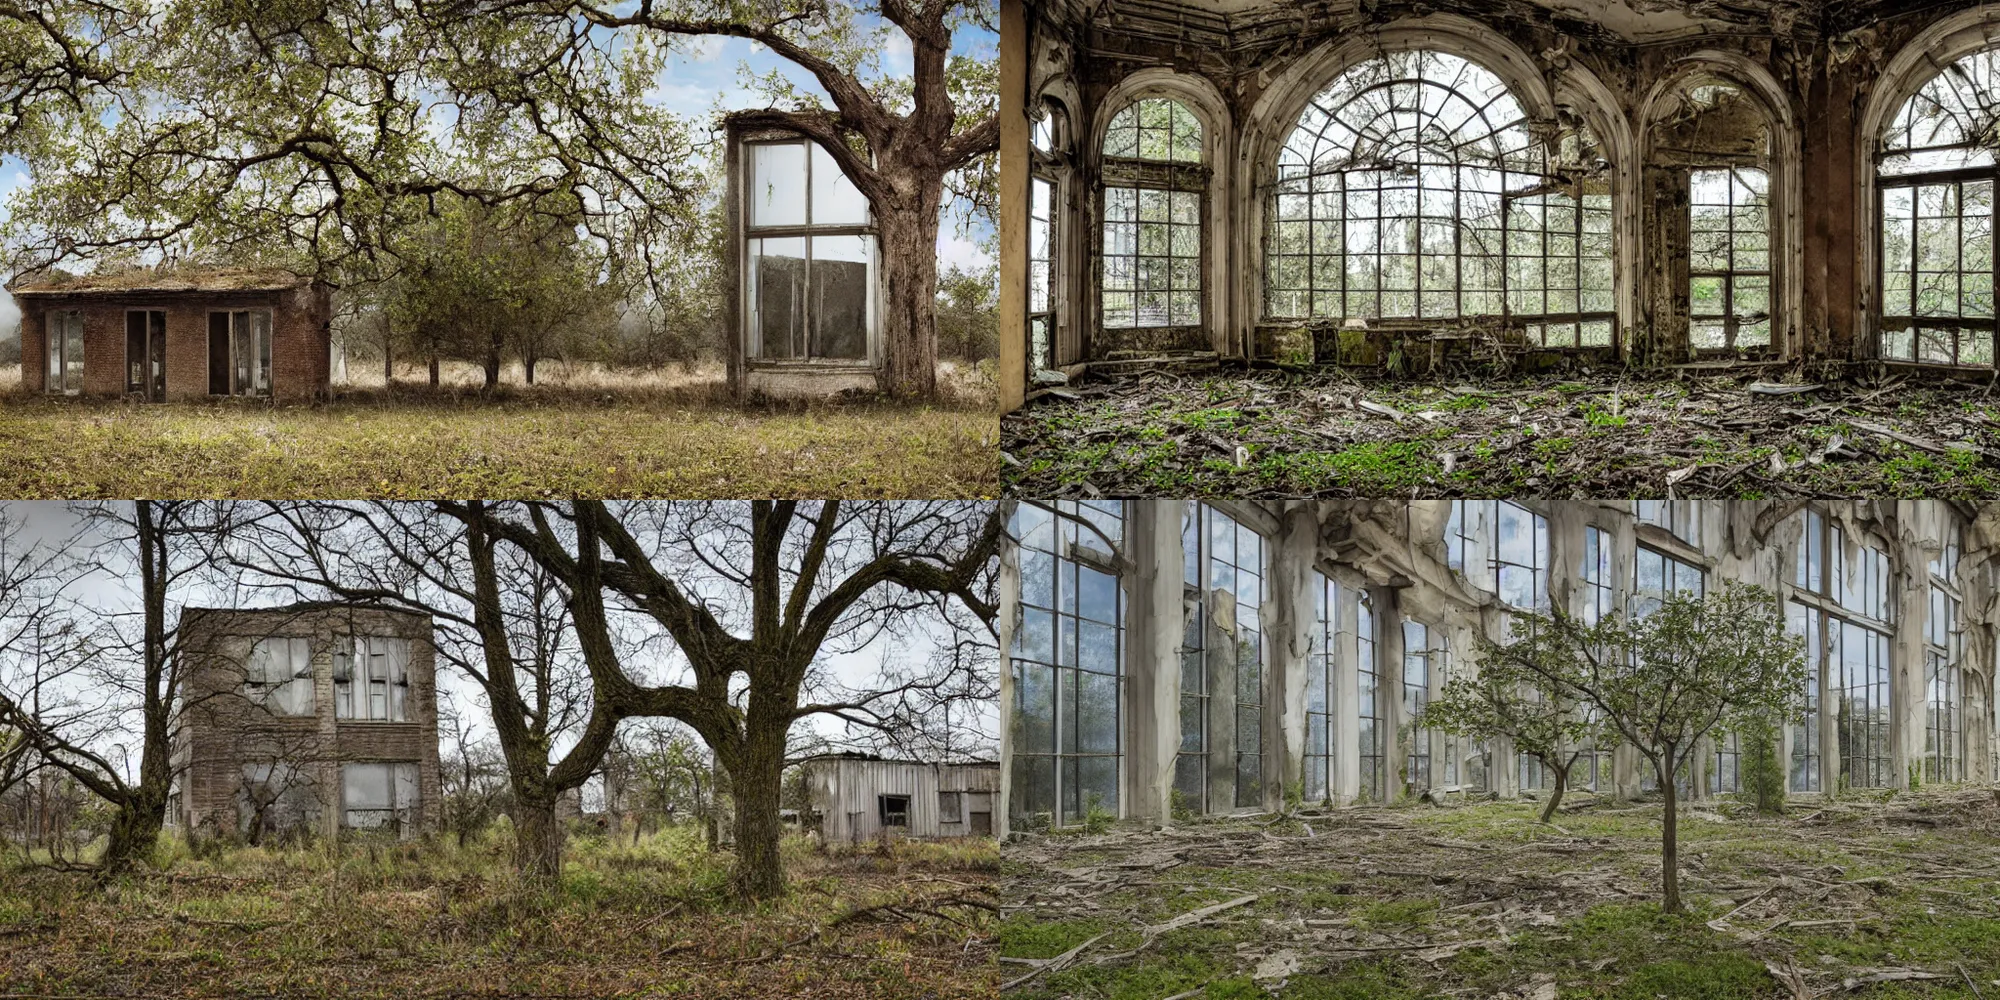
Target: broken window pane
column 379, row 796
column 279, row 676
column 275, row 797
column 778, row 296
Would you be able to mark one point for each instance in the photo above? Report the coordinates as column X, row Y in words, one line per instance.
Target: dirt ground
column 1754, row 432
column 426, row 921
column 1875, row 896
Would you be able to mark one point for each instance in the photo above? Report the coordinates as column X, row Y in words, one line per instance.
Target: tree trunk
column 1556, row 796
column 434, row 371
column 755, row 783
column 1670, row 880
column 537, row 839
column 388, row 364
column 493, row 362
column 528, row 367
column 135, row 831
column 909, row 288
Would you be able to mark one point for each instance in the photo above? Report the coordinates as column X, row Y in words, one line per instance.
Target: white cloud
column 955, row 249
column 896, row 58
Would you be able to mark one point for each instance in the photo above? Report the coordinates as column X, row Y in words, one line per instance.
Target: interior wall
column 1817, row 68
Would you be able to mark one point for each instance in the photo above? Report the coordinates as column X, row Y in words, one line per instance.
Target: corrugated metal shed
column 859, row 798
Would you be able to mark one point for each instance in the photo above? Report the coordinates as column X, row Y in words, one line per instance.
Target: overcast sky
column 694, row 84
column 52, row 523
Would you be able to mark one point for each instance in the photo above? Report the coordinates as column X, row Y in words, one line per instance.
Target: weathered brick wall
column 222, row 730
column 301, row 332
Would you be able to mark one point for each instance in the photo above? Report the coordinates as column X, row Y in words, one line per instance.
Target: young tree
column 1505, row 700
column 899, row 139
column 1665, row 678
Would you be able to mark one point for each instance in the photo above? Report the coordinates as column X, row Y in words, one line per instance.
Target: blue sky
column 706, row 76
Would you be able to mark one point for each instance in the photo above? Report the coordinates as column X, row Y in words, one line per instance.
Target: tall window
column 1803, row 621
column 1936, row 173
column 1413, row 187
column 1597, row 594
column 1416, row 697
column 1155, row 184
column 279, row 676
column 1319, row 682
column 809, row 248
column 371, row 679
column 64, row 339
column 1042, row 280
column 239, row 353
column 1370, row 704
column 1729, row 258
column 1725, row 774
column 1845, row 610
column 1503, row 548
column 1228, row 558
column 1943, row 646
column 1066, row 661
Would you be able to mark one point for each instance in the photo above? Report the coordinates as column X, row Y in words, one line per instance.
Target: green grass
column 526, row 444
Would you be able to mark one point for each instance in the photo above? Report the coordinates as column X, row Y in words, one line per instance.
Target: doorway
column 146, row 354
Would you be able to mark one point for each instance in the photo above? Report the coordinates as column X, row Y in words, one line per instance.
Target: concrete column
column 1909, row 597
column 1389, row 687
column 1829, row 716
column 1289, row 617
column 1344, row 698
column 1013, row 306
column 1153, row 584
column 1010, row 600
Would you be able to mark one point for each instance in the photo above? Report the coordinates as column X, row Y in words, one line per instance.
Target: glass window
column 1729, row 265
column 1503, row 548
column 1153, row 247
column 1655, row 575
column 279, row 676
column 1597, row 544
column 1413, row 186
column 811, row 268
column 370, row 679
column 1370, row 706
column 1229, row 558
column 1066, row 661
column 64, row 340
column 1936, row 174
column 1806, row 622
column 380, row 796
column 1416, row 696
column 1041, row 273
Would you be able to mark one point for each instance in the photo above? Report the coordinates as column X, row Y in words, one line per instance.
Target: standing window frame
column 1048, row 156
column 802, row 227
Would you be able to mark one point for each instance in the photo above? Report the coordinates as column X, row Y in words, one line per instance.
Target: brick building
column 176, row 333
column 315, row 715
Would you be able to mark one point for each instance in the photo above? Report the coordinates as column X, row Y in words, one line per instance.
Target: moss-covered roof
column 169, row 278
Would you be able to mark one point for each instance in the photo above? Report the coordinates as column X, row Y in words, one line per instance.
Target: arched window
column 1048, row 136
column 1155, row 186
column 1936, row 174
column 1714, row 137
column 1414, row 187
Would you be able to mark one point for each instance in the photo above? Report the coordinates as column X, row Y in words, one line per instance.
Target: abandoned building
column 316, row 718
column 1403, row 184
column 861, row 798
column 184, row 332
column 807, row 307
column 1169, row 657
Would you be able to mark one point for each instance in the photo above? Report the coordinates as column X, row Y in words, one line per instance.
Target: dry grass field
column 415, row 920
column 578, row 432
